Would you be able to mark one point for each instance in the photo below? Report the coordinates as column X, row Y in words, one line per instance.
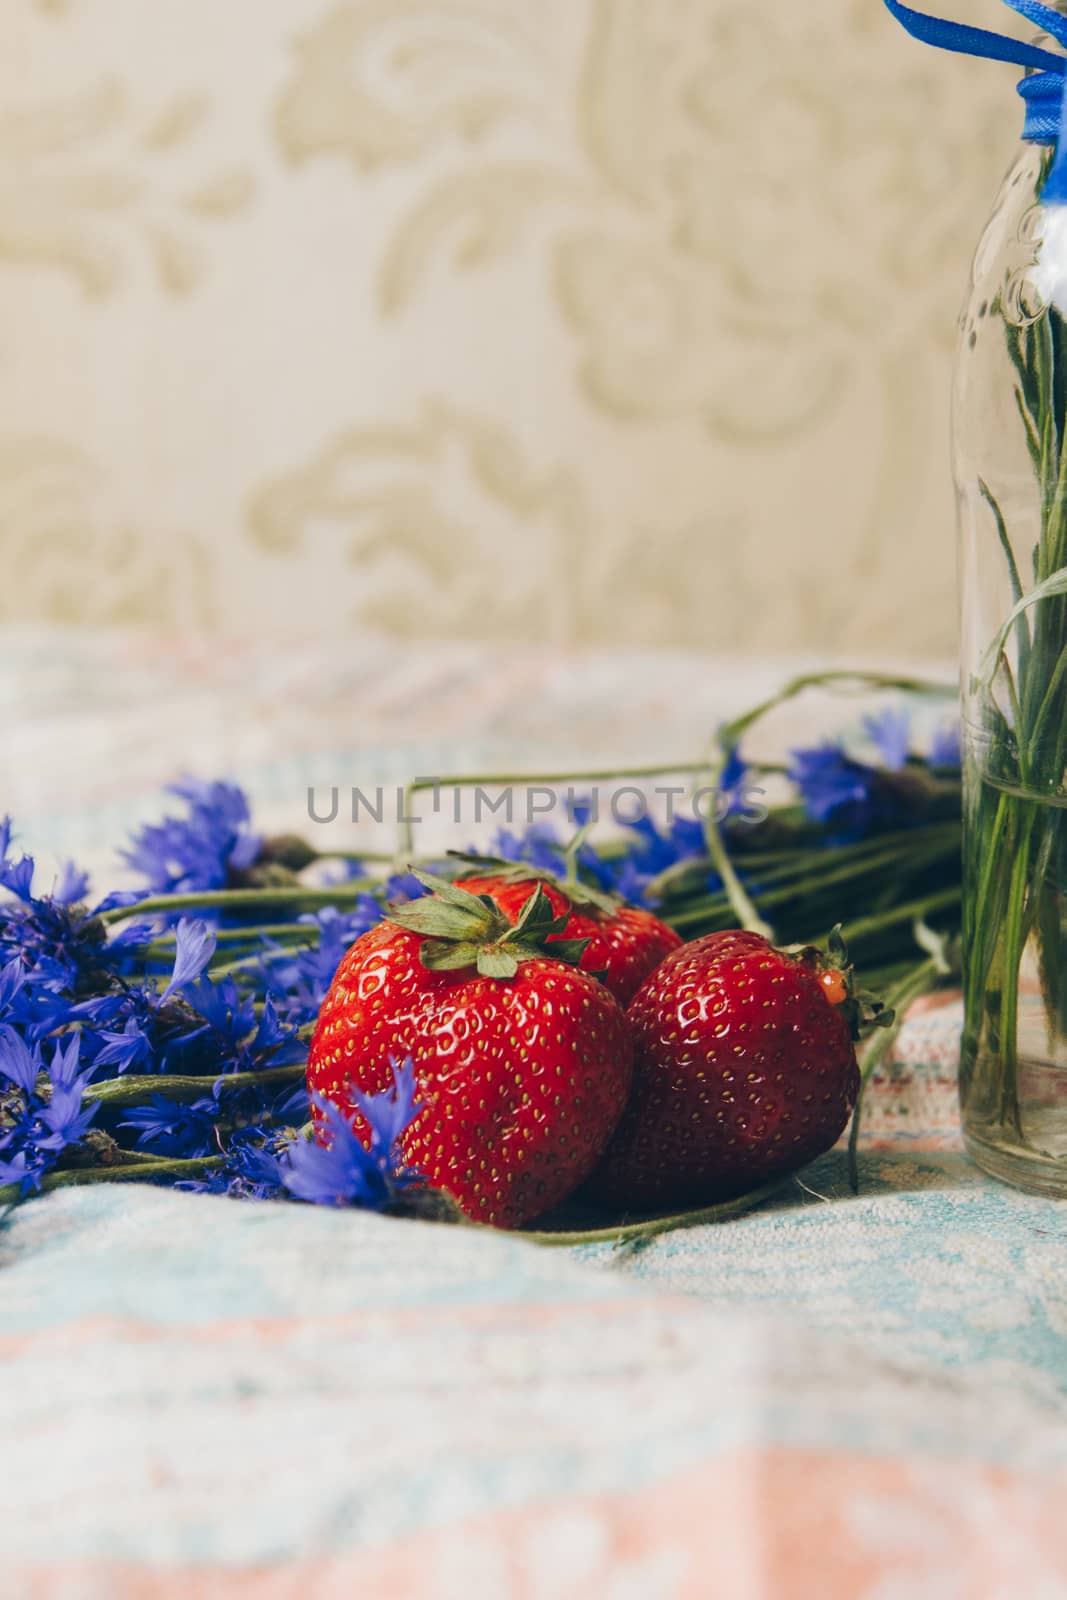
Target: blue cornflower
column 175, row 1129
column 341, row 1171
column 138, row 1026
column 334, row 873
column 234, row 1040
column 229, row 1014
column 18, row 1063
column 390, row 1114
column 835, row 788
column 890, row 732
column 539, row 846
column 945, row 747
column 655, row 849
column 253, row 1170
column 214, row 1028
column 42, row 1111
column 71, row 886
column 257, row 1167
column 853, row 797
column 23, row 1169
column 195, row 944
column 17, row 877
column 404, row 886
column 202, row 850
column 687, row 837
column 847, row 793
column 299, row 979
column 131, row 1046
column 64, row 1117
column 266, row 1126
column 252, row 1173
column 631, row 883
column 829, row 780
column 61, row 941
column 652, row 851
column 580, row 809
column 735, row 786
column 33, row 1008
column 12, row 983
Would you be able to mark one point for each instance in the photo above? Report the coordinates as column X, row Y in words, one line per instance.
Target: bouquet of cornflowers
column 161, row 1034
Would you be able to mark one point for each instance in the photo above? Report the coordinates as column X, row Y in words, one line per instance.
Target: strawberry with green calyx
column 624, row 943
column 523, row 1063
column 464, row 929
column 745, row 1069
column 861, row 1008
column 581, row 893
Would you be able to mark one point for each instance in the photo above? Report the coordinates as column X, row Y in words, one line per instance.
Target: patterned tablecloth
column 835, row 1395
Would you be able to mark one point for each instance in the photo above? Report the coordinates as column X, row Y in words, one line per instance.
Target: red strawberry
column 625, row 943
column 744, row 1069
column 522, row 1063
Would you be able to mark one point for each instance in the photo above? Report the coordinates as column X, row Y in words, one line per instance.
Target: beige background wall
column 627, row 320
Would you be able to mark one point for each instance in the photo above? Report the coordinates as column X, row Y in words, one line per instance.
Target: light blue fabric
column 199, row 1385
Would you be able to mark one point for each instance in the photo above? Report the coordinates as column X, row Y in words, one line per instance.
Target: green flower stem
column 1048, row 708
column 686, row 879
column 880, row 980
column 1015, row 854
column 243, row 900
column 694, row 913
column 781, row 866
column 651, row 1227
column 741, row 902
column 930, row 837
column 913, row 911
column 731, row 734
column 682, row 916
column 129, row 1091
column 919, row 981
column 980, row 900
column 283, row 932
column 571, row 878
column 510, row 780
column 253, row 960
column 1014, row 934
column 133, row 1172
column 1022, row 624
column 384, row 858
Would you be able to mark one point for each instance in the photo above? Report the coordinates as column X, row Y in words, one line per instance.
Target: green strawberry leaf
column 862, row 1009
column 573, row 950
column 569, row 950
column 465, row 930
column 584, row 896
column 537, row 920
column 536, row 912
column 452, row 895
column 437, row 920
column 440, row 955
column 496, row 962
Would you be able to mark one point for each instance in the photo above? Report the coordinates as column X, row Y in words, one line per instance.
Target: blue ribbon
column 1044, row 89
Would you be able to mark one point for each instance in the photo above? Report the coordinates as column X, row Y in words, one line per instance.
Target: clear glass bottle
column 1010, row 431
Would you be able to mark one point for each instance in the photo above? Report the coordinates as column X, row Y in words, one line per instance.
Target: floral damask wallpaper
column 617, row 320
